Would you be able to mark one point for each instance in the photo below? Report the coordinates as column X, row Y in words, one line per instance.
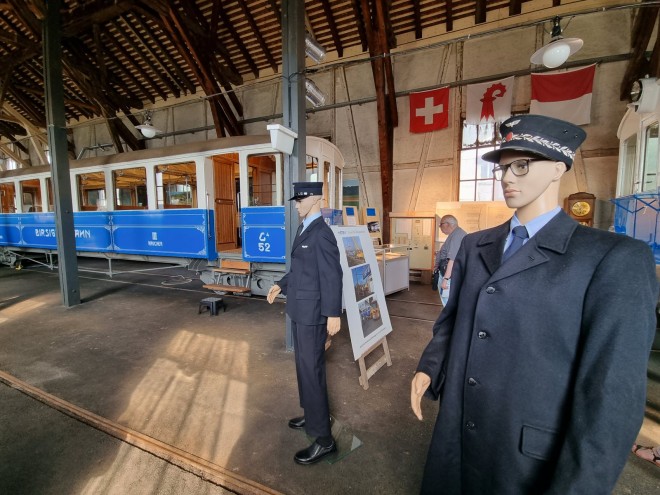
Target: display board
column 371, row 218
column 350, row 214
column 364, row 299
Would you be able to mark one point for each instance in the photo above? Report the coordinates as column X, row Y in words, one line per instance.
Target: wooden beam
column 256, row 32
column 77, row 20
column 164, row 52
column 228, row 25
column 37, row 136
column 15, row 156
column 515, row 7
column 75, row 103
column 449, row 9
column 642, row 30
column 164, row 73
column 330, row 20
column 480, row 12
column 417, row 19
column 359, row 20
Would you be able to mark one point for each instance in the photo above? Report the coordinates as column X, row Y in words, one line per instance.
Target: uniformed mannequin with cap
column 313, row 287
column 539, row 359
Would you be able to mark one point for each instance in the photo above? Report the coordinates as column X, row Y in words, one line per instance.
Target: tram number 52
column 264, row 246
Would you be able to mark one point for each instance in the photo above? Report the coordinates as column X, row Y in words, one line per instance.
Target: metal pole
column 293, row 115
column 58, row 146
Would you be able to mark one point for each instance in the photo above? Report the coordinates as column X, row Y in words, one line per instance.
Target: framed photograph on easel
column 366, row 310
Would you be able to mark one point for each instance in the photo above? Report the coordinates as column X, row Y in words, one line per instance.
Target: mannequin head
column 307, row 196
column 308, row 206
column 537, row 191
column 550, row 145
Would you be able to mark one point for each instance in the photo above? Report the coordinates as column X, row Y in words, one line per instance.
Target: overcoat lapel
column 305, row 233
column 555, row 236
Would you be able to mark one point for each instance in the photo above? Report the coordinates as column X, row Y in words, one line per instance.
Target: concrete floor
column 221, row 388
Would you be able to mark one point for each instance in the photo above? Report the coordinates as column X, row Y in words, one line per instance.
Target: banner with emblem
column 429, row 110
column 564, row 95
column 489, row 101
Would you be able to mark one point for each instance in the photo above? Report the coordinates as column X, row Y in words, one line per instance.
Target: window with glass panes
column 476, row 175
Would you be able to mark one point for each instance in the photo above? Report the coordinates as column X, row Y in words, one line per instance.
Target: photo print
column 362, row 281
column 370, row 316
column 354, row 251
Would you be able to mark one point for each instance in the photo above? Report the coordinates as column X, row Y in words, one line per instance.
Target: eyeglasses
column 518, row 167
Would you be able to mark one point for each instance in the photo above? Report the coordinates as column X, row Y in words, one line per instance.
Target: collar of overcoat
column 554, row 236
column 305, row 233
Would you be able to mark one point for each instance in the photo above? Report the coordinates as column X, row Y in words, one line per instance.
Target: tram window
column 261, row 180
column 91, row 191
column 31, row 191
column 326, row 184
column 337, row 204
column 176, row 186
column 312, row 169
column 351, row 192
column 650, row 175
column 130, row 185
column 8, row 197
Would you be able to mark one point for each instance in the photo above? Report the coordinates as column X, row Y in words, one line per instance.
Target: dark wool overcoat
column 540, row 363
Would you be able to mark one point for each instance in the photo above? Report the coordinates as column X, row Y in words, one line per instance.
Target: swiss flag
column 564, row 95
column 429, row 110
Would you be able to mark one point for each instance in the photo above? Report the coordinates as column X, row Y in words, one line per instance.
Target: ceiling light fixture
column 557, row 51
column 313, row 94
column 313, row 49
column 147, row 129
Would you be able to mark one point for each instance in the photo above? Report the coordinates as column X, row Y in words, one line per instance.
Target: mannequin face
column 308, row 205
column 536, row 192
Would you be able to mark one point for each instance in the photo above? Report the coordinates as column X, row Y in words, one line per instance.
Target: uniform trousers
column 309, row 341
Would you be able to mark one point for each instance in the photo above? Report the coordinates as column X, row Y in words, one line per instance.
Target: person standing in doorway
column 447, row 254
column 313, row 287
column 540, row 356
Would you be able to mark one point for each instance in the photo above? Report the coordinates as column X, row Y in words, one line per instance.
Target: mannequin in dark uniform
column 540, row 357
column 313, row 287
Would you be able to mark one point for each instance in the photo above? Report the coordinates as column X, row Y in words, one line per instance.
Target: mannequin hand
column 419, row 384
column 273, row 292
column 444, row 284
column 334, row 325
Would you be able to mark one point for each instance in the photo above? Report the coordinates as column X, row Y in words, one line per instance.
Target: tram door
column 224, row 167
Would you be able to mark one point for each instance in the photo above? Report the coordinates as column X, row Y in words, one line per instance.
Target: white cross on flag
column 429, row 110
column 489, row 101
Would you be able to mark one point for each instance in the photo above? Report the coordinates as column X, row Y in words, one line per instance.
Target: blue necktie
column 519, row 236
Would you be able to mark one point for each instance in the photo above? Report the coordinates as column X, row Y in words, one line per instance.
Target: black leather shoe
column 297, row 423
column 314, row 453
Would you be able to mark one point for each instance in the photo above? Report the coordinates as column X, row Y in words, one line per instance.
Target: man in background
column 445, row 260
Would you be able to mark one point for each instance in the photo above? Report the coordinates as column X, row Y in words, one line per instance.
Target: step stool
column 213, row 304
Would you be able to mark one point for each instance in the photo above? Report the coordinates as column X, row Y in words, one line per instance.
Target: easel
column 366, row 373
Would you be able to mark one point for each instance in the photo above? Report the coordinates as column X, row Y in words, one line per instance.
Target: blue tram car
column 216, row 206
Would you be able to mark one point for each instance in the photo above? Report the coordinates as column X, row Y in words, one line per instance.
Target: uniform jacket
column 313, row 285
column 540, row 362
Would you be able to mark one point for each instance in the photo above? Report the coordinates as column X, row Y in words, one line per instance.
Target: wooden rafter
column 480, row 12
column 417, row 18
column 227, row 24
column 449, row 15
column 359, row 20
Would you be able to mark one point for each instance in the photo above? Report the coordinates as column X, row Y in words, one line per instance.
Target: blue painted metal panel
column 264, row 234
column 10, row 230
column 183, row 233
column 638, row 216
column 179, row 233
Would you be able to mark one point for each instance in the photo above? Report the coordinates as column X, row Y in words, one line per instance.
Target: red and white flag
column 429, row 110
column 564, row 95
column 489, row 101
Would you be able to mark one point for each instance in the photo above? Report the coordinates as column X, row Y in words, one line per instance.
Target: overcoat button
column 482, row 335
column 472, row 381
column 470, row 425
column 490, row 290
